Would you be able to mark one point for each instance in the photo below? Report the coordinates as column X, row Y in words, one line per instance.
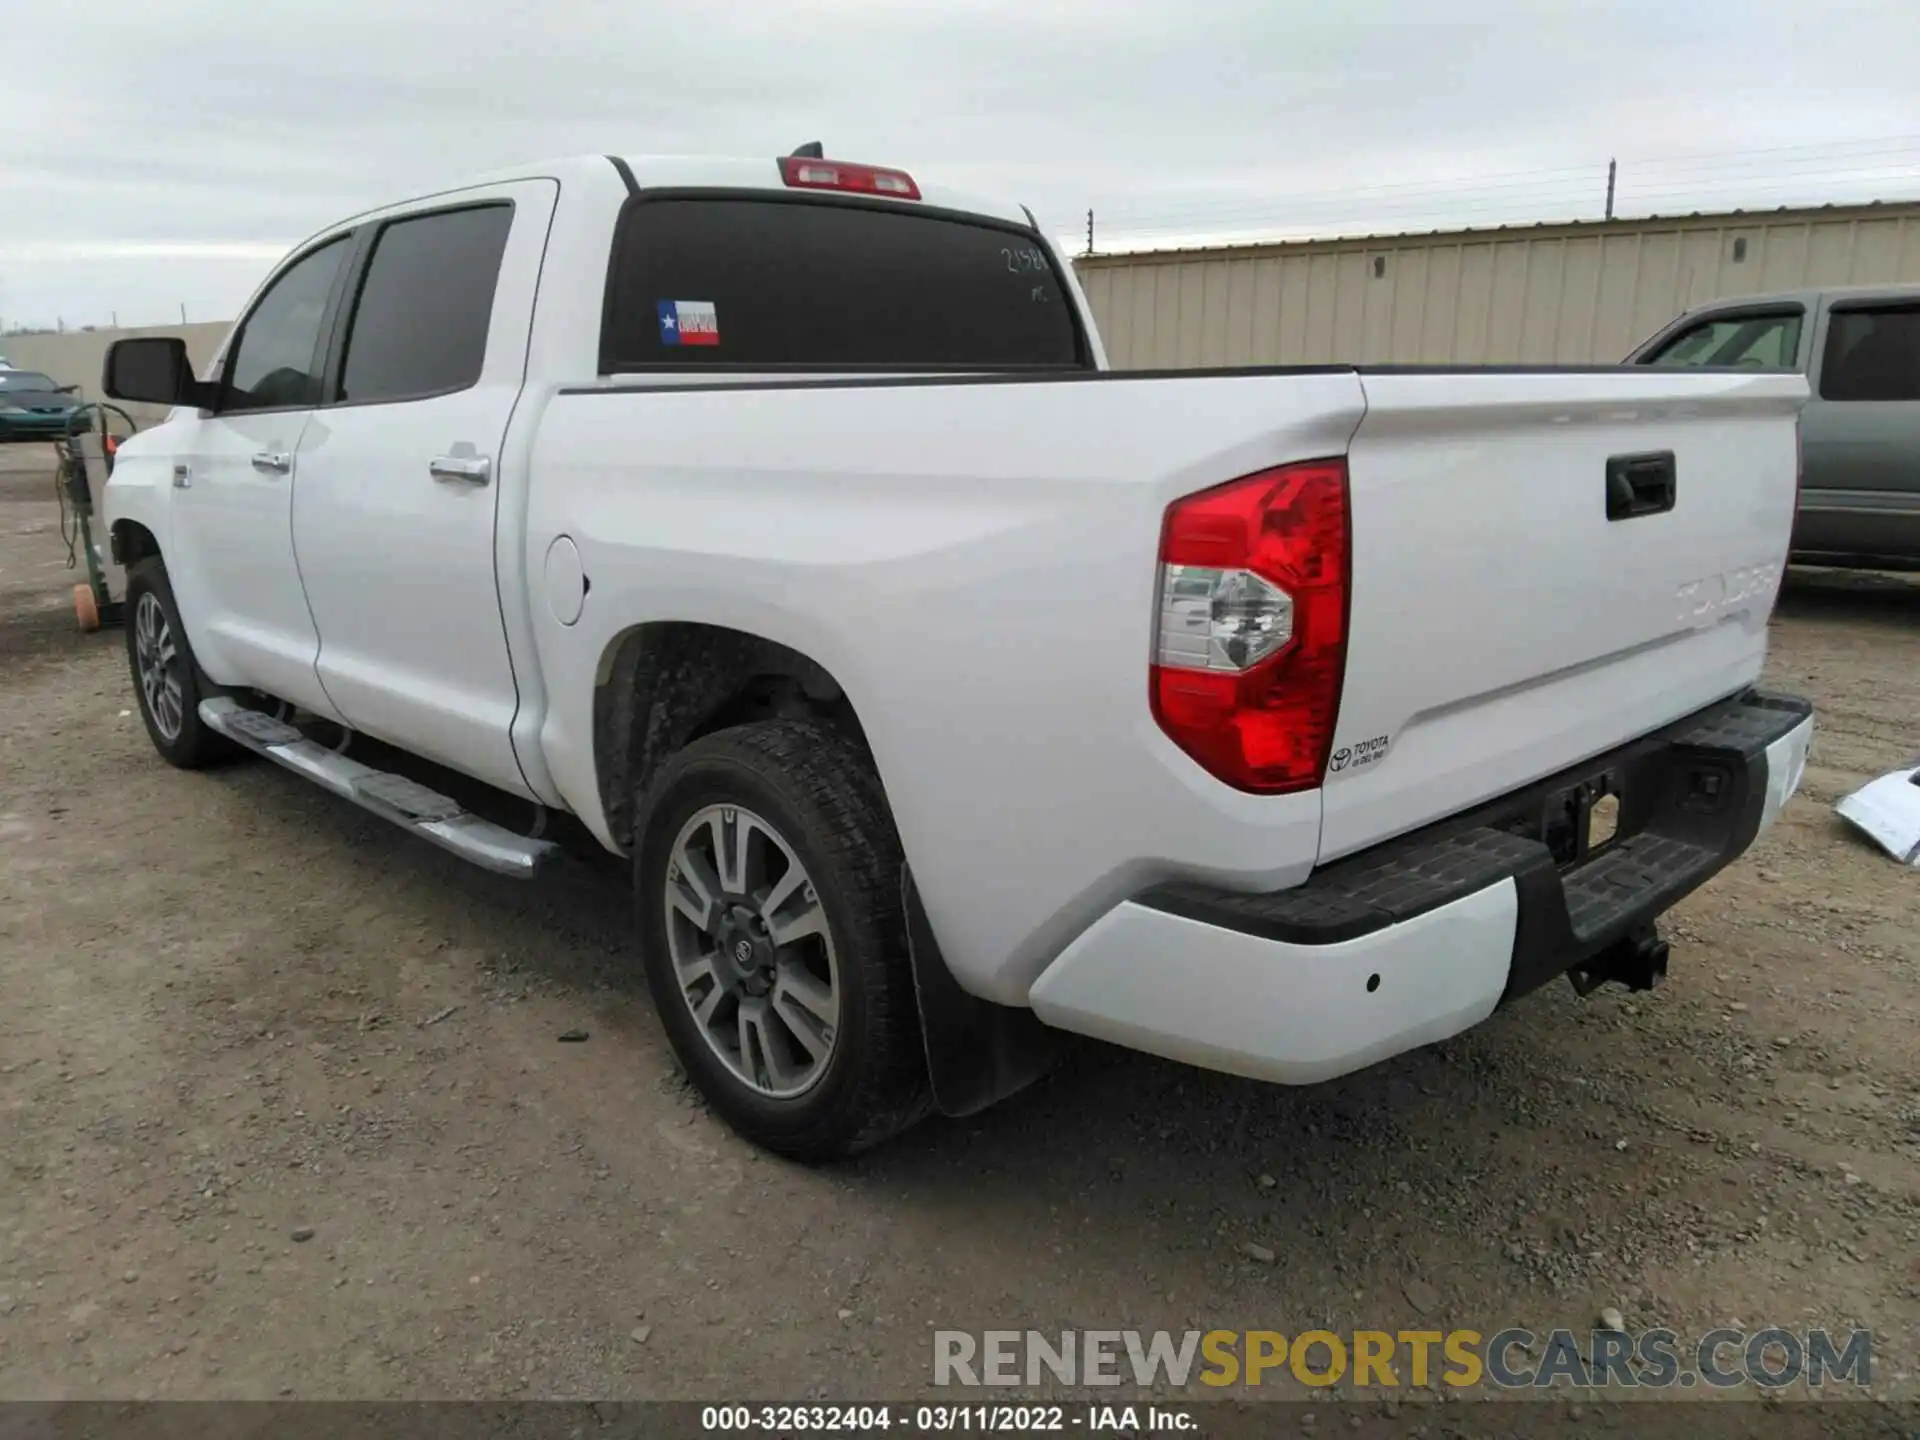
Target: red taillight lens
column 1250, row 649
column 805, row 174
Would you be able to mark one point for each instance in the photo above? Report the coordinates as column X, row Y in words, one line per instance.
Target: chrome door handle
column 467, row 469
column 273, row 462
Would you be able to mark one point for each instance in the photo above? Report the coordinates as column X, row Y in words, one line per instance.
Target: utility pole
column 1613, row 170
column 1089, row 232
column 183, row 304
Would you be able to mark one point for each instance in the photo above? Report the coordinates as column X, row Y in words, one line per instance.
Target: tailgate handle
column 1640, row 485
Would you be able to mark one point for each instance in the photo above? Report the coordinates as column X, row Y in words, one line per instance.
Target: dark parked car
column 1860, row 433
column 32, row 407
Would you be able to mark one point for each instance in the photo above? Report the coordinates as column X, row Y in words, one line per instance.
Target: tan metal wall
column 1565, row 294
column 76, row 358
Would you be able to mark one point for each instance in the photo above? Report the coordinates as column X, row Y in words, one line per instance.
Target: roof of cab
column 699, row 172
column 1808, row 295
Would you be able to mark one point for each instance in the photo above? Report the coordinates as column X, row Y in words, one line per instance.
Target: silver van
column 1860, row 348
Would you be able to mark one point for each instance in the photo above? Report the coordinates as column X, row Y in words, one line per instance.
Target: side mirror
column 154, row 370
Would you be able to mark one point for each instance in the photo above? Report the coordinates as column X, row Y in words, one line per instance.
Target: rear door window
column 1873, row 353
column 420, row 326
column 810, row 285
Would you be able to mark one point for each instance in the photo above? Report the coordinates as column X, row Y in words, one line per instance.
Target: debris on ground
column 1887, row 811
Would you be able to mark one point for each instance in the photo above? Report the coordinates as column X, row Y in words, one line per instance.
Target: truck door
column 393, row 515
column 229, row 546
column 1861, row 434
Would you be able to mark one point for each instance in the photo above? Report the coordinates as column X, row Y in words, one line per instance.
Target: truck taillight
column 1250, row 647
column 806, row 174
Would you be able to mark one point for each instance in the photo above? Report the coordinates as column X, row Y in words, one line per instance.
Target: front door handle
column 467, row 469
column 273, row 462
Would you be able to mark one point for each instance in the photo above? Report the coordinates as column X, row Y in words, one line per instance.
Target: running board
column 427, row 813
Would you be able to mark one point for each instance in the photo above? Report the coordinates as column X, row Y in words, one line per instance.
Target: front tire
column 767, row 881
column 165, row 678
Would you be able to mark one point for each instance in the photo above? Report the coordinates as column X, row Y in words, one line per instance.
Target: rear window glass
column 822, row 286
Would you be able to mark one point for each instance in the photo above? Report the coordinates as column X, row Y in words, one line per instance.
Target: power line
column 1904, row 147
column 1813, row 161
column 1782, row 149
column 1356, row 226
column 1454, row 211
column 1588, row 180
column 1531, row 178
column 1350, row 224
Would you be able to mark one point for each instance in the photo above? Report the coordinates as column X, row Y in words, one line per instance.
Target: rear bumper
column 1426, row 935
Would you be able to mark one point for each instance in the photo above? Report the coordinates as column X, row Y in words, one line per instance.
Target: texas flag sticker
column 688, row 322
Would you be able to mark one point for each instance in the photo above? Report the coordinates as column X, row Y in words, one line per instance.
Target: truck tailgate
column 1508, row 618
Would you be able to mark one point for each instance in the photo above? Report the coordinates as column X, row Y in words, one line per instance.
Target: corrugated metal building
column 1577, row 293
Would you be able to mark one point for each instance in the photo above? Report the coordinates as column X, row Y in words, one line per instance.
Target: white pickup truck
column 780, row 520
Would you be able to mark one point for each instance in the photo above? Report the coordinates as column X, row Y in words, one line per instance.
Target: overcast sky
column 161, row 152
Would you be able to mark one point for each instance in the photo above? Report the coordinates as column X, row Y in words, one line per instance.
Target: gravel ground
column 283, row 1110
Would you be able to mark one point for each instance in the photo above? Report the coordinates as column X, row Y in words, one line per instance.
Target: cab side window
column 280, row 353
column 1764, row 342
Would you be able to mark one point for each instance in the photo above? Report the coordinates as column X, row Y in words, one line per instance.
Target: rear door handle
column 466, row 469
column 273, row 462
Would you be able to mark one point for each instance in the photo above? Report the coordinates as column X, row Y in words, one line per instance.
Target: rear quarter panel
column 976, row 565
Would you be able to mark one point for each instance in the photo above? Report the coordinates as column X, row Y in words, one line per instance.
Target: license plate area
column 1582, row 820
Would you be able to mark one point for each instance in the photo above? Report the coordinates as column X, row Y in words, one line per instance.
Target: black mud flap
column 978, row 1053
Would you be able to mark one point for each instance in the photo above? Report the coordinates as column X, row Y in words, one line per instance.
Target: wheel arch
column 130, row 542
column 661, row 685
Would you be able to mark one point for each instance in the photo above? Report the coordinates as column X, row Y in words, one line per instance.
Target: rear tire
column 166, row 680
column 767, row 885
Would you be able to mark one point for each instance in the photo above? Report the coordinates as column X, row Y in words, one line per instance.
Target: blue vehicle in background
column 84, row 437
column 33, row 407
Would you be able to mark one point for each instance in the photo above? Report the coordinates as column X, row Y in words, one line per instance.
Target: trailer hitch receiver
column 1637, row 960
